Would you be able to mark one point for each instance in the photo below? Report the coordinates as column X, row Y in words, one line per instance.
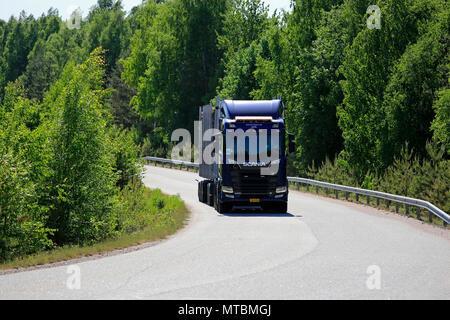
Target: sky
column 65, row 7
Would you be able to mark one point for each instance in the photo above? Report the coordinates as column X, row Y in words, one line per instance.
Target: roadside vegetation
column 69, row 177
column 146, row 216
column 427, row 179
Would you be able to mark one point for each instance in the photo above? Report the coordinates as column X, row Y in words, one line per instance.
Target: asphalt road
column 322, row 249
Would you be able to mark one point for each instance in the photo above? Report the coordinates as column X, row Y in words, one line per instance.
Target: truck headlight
column 227, row 189
column 282, row 189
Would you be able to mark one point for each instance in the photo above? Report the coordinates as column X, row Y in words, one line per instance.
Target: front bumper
column 250, row 198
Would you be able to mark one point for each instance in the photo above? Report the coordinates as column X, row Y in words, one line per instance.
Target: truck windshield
column 253, row 150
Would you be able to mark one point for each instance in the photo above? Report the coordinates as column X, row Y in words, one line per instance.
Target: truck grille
column 248, row 183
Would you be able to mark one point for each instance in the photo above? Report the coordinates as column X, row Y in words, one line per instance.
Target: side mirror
column 291, row 148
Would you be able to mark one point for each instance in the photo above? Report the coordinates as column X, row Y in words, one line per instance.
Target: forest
column 369, row 107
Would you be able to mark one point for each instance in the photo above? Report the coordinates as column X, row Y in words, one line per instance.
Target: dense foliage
column 63, row 165
column 369, row 107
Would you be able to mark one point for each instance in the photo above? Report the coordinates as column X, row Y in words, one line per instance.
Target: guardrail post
column 418, row 213
column 430, row 217
column 326, row 191
column 307, row 187
column 368, row 200
column 407, row 209
column 378, row 202
column 396, row 207
column 357, row 197
column 346, row 196
column 317, row 190
column 388, row 204
column 337, row 194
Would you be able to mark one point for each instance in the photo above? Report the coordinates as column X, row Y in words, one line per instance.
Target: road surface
column 322, row 249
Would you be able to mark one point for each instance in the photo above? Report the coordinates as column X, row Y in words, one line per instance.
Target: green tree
column 121, row 95
column 239, row 81
column 412, row 90
column 15, row 52
column 126, row 157
column 82, row 179
column 41, row 71
column 108, row 29
column 272, row 73
column 441, row 123
column 173, row 62
column 200, row 56
column 23, row 167
column 153, row 66
column 47, row 60
column 305, row 20
column 245, row 23
column 367, row 68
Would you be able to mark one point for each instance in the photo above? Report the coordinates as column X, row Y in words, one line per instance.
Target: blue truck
column 247, row 173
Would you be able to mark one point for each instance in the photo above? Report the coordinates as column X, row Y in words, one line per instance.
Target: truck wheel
column 202, row 191
column 220, row 206
column 282, row 207
column 200, row 194
column 210, row 194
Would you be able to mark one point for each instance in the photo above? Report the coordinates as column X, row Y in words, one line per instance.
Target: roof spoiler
column 231, row 109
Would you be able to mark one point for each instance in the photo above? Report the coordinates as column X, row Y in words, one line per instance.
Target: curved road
column 322, row 249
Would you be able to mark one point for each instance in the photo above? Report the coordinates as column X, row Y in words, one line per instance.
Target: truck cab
column 250, row 167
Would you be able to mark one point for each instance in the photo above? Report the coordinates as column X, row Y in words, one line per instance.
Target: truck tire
column 202, row 191
column 220, row 206
column 210, row 194
column 282, row 207
column 199, row 191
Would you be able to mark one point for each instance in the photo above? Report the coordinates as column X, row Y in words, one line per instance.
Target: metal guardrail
column 432, row 209
column 380, row 195
column 172, row 162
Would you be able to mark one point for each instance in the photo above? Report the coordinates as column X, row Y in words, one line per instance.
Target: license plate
column 255, row 200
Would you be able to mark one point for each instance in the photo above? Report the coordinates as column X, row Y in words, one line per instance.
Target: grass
column 422, row 214
column 167, row 215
